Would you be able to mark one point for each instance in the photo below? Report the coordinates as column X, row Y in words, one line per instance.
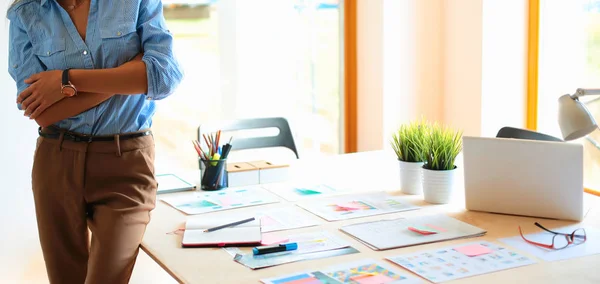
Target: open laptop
column 524, row 177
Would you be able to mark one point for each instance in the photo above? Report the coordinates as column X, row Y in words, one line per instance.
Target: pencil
column 206, row 140
column 229, row 225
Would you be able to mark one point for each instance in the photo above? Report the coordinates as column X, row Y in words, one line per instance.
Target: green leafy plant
column 443, row 144
column 409, row 141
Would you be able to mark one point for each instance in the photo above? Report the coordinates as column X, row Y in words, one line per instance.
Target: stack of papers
column 397, row 233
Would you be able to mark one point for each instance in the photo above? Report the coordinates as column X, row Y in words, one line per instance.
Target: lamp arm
column 585, row 92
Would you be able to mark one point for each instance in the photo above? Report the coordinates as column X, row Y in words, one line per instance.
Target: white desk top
column 374, row 171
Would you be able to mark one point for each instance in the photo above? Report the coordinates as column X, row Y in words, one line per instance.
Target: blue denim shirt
column 43, row 37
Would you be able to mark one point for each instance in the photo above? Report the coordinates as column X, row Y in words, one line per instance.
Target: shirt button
column 48, row 53
column 119, row 33
column 85, row 52
column 15, row 66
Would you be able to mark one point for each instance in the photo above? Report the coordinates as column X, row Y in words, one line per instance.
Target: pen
column 274, row 248
column 229, row 225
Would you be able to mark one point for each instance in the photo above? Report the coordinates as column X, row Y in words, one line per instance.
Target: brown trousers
column 108, row 187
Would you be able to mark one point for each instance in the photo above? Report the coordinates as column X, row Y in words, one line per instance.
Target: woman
column 88, row 72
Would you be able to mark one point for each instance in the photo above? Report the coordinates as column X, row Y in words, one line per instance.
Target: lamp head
column 574, row 119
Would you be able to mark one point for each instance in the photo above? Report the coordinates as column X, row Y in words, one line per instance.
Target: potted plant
column 409, row 144
column 443, row 145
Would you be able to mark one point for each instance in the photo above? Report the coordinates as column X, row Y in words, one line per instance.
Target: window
column 569, row 58
column 247, row 59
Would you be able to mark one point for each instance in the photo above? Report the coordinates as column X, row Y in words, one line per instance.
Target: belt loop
column 61, row 138
column 118, row 145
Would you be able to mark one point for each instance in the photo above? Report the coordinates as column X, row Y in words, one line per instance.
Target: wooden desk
column 372, row 171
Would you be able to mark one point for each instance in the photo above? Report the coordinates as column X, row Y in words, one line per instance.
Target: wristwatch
column 67, row 89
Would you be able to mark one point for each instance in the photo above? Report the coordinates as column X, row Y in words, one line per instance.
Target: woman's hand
column 44, row 91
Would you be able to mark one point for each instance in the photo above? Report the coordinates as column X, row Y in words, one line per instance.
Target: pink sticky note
column 373, row 279
column 473, row 250
column 272, row 239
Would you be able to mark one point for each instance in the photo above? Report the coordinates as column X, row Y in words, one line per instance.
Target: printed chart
column 204, row 202
column 365, row 271
column 355, row 206
column 295, row 192
column 461, row 261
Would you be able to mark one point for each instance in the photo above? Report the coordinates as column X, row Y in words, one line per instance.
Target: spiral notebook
column 247, row 234
column 397, row 233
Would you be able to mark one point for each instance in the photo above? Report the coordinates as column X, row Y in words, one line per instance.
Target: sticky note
column 372, row 279
column 422, row 230
column 436, row 228
column 272, row 239
column 473, row 250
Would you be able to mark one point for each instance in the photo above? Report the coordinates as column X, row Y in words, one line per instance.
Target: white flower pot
column 438, row 185
column 411, row 177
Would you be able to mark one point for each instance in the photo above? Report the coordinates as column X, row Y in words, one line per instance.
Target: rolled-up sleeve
column 163, row 71
column 22, row 63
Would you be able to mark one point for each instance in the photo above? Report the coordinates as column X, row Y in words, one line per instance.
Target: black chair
column 518, row 133
column 283, row 139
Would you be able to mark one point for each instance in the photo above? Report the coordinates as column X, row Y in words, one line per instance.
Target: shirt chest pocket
column 120, row 42
column 51, row 52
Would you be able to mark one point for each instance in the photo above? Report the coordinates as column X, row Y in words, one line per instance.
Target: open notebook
column 247, row 234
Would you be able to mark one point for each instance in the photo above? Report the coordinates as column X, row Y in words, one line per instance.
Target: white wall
column 18, row 240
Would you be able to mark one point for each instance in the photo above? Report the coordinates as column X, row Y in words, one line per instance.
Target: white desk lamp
column 574, row 119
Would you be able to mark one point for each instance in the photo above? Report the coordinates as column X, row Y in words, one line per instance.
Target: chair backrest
column 517, row 133
column 283, row 139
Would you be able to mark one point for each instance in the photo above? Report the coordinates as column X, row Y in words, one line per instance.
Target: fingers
column 26, row 93
column 41, row 108
column 33, row 107
column 32, row 79
column 28, row 100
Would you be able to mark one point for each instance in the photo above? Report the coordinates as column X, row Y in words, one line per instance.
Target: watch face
column 68, row 91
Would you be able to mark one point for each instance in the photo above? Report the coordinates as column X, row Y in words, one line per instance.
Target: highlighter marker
column 275, row 248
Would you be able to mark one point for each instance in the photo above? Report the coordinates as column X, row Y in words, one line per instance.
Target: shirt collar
column 43, row 2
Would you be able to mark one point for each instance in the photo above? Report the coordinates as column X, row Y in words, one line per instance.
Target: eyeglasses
column 559, row 240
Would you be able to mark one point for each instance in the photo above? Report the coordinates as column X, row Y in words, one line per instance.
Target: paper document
column 396, row 233
column 367, row 271
column 211, row 201
column 589, row 247
column 285, row 218
column 355, row 206
column 295, row 192
column 243, row 234
column 307, row 243
column 461, row 261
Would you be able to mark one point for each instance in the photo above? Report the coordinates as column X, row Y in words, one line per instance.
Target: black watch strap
column 65, row 77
